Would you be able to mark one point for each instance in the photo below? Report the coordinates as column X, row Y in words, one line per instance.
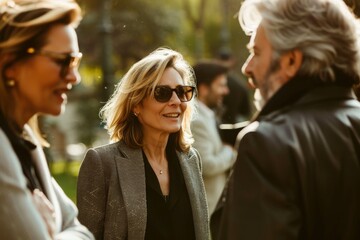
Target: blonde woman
column 39, row 56
column 146, row 184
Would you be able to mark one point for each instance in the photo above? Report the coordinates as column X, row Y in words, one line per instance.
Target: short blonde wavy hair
column 138, row 83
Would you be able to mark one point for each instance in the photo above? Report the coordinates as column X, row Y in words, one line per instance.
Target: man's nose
column 247, row 67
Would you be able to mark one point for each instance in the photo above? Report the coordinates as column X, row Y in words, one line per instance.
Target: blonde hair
column 138, row 83
column 325, row 31
column 24, row 24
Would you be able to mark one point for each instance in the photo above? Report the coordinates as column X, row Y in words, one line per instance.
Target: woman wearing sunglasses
column 39, row 56
column 147, row 184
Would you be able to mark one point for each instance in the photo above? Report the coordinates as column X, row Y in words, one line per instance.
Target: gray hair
column 325, row 31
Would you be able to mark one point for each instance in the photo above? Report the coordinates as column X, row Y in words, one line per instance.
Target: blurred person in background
column 236, row 104
column 147, row 183
column 39, row 58
column 216, row 156
column 297, row 173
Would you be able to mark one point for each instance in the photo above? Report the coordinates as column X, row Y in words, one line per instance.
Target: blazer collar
column 131, row 173
column 189, row 164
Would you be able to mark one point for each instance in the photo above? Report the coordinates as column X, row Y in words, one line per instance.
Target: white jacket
column 19, row 218
column 217, row 158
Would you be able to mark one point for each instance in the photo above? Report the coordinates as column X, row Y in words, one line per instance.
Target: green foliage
column 89, row 122
column 65, row 173
column 139, row 27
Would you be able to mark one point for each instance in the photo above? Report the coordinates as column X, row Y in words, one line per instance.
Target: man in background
column 236, row 103
column 217, row 157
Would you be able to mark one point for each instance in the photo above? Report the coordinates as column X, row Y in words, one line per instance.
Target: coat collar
column 303, row 89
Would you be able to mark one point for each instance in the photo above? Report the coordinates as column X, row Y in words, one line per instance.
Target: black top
column 168, row 218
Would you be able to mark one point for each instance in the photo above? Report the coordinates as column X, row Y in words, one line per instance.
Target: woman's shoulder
column 3, row 137
column 191, row 155
column 105, row 147
column 193, row 152
column 10, row 165
column 5, row 144
column 109, row 147
column 117, row 148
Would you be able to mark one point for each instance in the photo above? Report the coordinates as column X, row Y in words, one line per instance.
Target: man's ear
column 292, row 62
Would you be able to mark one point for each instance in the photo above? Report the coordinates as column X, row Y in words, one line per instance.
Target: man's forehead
column 258, row 38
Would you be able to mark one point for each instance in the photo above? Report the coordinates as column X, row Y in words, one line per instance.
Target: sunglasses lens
column 74, row 60
column 184, row 93
column 65, row 65
column 162, row 93
column 69, row 62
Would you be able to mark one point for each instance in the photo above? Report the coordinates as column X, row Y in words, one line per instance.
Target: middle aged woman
column 39, row 59
column 147, row 184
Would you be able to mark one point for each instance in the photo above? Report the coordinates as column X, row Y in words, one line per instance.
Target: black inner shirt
column 168, row 217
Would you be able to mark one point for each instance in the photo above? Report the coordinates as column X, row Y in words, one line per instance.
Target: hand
column 46, row 210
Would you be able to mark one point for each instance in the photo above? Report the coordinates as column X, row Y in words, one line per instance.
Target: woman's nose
column 174, row 98
column 73, row 76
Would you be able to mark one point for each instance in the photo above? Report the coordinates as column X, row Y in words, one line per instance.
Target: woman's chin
column 56, row 111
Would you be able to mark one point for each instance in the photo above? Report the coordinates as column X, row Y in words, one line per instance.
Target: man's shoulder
column 295, row 119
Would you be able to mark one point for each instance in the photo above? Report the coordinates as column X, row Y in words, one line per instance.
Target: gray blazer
column 112, row 192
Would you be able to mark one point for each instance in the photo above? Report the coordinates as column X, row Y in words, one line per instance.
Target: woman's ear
column 10, row 69
column 10, row 72
column 136, row 110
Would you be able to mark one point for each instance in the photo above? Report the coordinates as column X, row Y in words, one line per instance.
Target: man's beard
column 212, row 102
column 261, row 98
column 259, row 101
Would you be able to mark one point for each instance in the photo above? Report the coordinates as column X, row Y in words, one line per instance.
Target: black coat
column 297, row 174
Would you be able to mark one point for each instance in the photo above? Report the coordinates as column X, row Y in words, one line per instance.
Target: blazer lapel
column 131, row 172
column 193, row 182
column 40, row 163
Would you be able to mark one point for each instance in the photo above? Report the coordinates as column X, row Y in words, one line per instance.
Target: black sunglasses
column 163, row 93
column 64, row 60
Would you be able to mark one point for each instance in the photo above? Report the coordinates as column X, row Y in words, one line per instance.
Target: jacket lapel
column 191, row 170
column 130, row 168
column 40, row 163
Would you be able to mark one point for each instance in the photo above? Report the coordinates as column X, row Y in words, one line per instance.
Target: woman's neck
column 155, row 151
column 154, row 146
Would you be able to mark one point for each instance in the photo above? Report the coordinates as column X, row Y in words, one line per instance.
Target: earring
column 10, row 82
column 136, row 114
